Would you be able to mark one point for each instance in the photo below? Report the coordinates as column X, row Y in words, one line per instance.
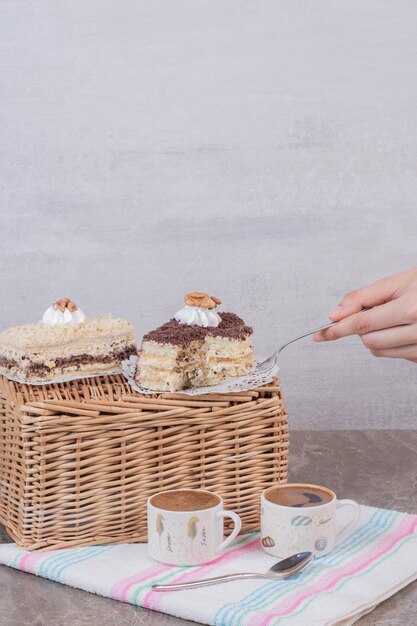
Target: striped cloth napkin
column 370, row 564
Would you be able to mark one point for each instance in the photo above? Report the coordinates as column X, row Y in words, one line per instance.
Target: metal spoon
column 281, row 570
column 272, row 361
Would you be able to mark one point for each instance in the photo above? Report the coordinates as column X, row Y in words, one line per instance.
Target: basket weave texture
column 78, row 460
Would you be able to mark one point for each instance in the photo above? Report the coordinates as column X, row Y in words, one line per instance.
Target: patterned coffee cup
column 185, row 526
column 299, row 517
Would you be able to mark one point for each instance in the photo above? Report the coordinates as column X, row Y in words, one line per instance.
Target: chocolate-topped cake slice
column 198, row 347
column 66, row 343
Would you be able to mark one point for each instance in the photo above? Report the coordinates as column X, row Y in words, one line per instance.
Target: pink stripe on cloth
column 120, row 589
column 28, row 562
column 286, row 607
column 153, row 598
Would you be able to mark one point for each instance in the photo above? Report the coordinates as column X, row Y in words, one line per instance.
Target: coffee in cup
column 300, row 517
column 185, row 526
column 299, row 496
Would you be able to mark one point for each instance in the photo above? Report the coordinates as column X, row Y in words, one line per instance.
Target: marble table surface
column 374, row 467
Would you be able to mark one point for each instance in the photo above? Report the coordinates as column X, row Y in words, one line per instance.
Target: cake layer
column 167, row 379
column 228, row 348
column 26, row 369
column 40, row 336
column 218, row 372
column 95, row 348
column 41, row 352
column 92, row 369
column 168, row 357
column 163, row 380
column 230, row 364
column 200, row 362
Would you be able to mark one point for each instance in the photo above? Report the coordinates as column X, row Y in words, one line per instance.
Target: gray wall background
column 264, row 151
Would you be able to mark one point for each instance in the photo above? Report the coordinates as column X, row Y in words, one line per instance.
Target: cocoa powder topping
column 231, row 327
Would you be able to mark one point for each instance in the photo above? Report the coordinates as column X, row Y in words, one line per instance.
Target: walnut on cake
column 198, row 347
column 66, row 343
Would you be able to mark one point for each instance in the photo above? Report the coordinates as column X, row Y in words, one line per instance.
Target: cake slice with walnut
column 66, row 343
column 198, row 347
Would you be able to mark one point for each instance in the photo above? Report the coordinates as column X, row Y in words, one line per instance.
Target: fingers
column 403, row 352
column 391, row 337
column 367, row 297
column 377, row 318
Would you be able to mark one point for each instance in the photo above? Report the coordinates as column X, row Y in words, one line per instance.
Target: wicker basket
column 78, row 460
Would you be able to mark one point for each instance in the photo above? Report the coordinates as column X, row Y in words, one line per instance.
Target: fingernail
column 318, row 337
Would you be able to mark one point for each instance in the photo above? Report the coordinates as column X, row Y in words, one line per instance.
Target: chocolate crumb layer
column 231, row 327
column 41, row 369
column 37, row 368
column 80, row 359
column 8, row 363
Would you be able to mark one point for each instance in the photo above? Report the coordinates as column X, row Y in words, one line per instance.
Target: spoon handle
column 206, row 581
column 310, row 332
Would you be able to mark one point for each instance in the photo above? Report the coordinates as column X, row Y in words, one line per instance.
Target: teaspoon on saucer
column 281, row 570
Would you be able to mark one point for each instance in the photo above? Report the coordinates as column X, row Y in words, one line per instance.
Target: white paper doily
column 229, row 385
column 63, row 379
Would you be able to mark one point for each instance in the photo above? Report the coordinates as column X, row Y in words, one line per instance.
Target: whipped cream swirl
column 197, row 315
column 55, row 317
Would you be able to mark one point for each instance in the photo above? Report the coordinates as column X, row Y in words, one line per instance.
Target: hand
column 389, row 327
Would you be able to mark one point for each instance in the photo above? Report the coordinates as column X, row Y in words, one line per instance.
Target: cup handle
column 356, row 513
column 236, row 530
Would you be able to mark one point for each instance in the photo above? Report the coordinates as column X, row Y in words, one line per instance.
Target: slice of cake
column 66, row 343
column 198, row 348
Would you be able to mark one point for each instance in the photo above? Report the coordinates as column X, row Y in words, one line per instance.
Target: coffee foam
column 185, row 500
column 299, row 495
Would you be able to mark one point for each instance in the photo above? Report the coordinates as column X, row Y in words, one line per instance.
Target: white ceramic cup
column 185, row 526
column 288, row 529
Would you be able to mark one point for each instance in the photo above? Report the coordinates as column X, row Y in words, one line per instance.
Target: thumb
column 365, row 298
